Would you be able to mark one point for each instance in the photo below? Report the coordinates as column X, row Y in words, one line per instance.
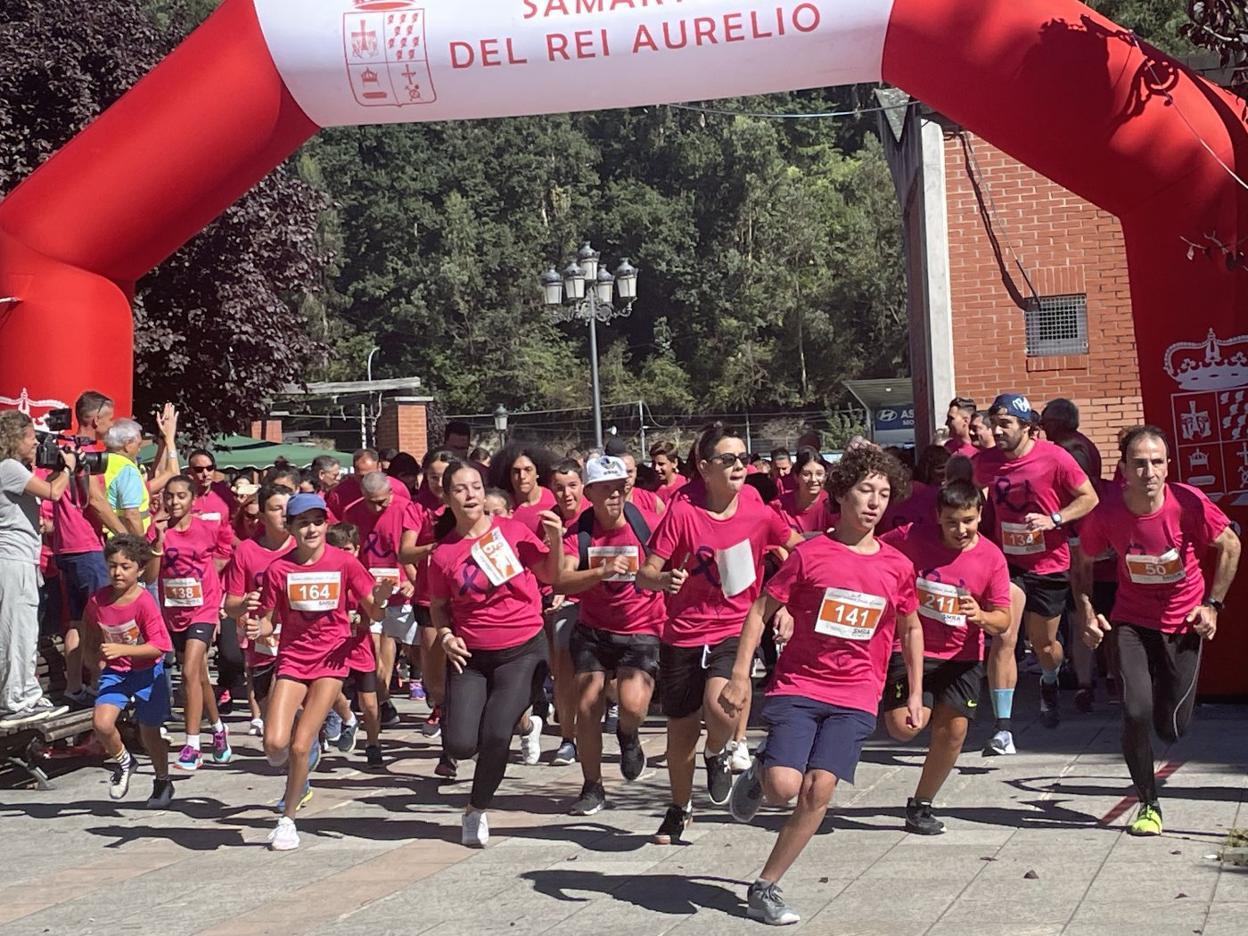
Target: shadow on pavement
column 670, row 894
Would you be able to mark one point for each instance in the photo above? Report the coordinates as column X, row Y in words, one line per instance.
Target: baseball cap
column 605, row 468
column 1014, row 404
column 302, row 503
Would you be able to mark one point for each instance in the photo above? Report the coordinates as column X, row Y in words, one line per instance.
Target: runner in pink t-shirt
column 649, row 502
column 958, row 421
column 184, row 550
column 1035, row 488
column 1165, row 611
column 963, row 588
column 715, row 539
column 665, row 459
column 127, row 635
column 807, row 509
column 617, row 632
column 485, row 603
column 312, row 591
column 242, row 583
column 848, row 594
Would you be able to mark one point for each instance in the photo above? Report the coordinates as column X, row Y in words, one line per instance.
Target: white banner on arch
column 400, row 61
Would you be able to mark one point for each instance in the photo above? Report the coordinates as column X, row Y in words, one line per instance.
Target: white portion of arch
column 398, row 61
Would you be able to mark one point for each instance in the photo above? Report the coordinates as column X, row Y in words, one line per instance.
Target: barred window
column 1057, row 325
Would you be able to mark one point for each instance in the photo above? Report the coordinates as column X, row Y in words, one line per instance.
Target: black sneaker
column 162, row 793
column 632, row 757
column 373, row 754
column 120, row 773
column 448, row 767
column 389, row 715
column 1049, row 715
column 919, row 818
column 592, row 799
column 1084, row 699
column 718, row 776
column 674, row 824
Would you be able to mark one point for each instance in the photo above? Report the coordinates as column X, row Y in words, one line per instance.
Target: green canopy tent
column 239, row 452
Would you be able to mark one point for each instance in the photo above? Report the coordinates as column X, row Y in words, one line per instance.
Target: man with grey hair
column 124, row 485
column 1060, row 421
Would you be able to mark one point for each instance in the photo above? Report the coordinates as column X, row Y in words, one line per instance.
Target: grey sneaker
column 347, row 736
column 747, row 790
column 591, row 801
column 565, row 754
column 999, row 744
column 718, row 776
column 162, row 794
column 767, row 906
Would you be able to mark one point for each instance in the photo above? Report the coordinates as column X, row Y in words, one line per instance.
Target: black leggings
column 1159, row 674
column 483, row 704
column 231, row 665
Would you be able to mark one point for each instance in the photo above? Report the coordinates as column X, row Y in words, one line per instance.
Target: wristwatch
column 1056, row 517
column 1215, row 604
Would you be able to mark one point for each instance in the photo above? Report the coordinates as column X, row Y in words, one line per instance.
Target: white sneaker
column 284, row 837
column 531, row 742
column 740, row 760
column 1000, row 743
column 475, row 832
column 256, row 728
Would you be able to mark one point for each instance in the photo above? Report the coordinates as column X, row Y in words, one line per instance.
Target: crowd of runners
column 515, row 590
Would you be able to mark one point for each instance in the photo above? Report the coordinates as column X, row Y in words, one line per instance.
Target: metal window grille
column 1057, row 325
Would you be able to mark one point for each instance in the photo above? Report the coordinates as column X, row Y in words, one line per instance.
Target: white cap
column 605, row 468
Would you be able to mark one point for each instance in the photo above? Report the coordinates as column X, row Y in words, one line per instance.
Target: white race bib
column 313, row 591
column 601, row 555
column 1165, row 569
column 267, row 646
column 385, row 575
column 939, row 602
column 496, row 558
column 182, row 592
column 212, row 516
column 128, row 633
column 1018, row 539
column 736, row 568
column 849, row 614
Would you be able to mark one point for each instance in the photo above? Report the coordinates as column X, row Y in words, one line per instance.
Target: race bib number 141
column 849, row 614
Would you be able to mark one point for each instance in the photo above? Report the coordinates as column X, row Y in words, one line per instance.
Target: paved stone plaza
column 1035, row 847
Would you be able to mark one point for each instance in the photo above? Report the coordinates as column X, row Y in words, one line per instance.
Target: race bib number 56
column 849, row 614
column 313, row 591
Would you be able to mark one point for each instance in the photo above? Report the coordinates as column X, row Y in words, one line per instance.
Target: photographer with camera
column 21, row 699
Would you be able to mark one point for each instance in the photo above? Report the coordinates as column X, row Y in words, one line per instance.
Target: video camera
column 52, row 445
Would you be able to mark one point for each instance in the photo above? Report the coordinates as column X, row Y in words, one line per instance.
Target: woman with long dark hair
column 804, row 508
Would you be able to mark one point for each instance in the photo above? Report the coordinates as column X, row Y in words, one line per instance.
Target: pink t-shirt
column 133, row 624
column 787, row 484
column 528, row 514
column 647, row 501
column 486, row 615
column 941, row 573
column 724, row 559
column 428, row 520
column 381, row 536
column 956, row 446
column 621, row 607
column 844, row 608
column 348, row 491
column 1159, row 576
column 666, row 491
column 190, row 589
column 212, row 508
column 246, row 573
column 72, row 532
column 313, row 601
column 816, row 518
column 919, row 507
column 1043, row 481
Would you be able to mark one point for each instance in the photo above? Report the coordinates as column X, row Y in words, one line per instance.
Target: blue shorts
column 805, row 734
column 85, row 574
column 147, row 688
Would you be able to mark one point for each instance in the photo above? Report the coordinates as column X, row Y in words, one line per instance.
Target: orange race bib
column 182, row 592
column 385, row 575
column 1018, row 539
column 313, row 591
column 1165, row 569
column 496, row 558
column 938, row 602
column 601, row 555
column 849, row 614
column 128, row 633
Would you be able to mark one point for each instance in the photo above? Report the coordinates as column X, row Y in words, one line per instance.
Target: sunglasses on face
column 728, row 459
column 199, row 468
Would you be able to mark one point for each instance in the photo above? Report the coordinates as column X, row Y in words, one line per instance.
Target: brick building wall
column 1067, row 246
column 404, row 425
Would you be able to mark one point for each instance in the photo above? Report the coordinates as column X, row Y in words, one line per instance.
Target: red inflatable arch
column 1048, row 81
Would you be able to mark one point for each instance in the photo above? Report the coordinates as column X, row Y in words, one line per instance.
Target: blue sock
column 1048, row 676
column 1003, row 707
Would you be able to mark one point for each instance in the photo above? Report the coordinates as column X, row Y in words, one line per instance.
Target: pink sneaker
column 189, row 760
column 221, row 752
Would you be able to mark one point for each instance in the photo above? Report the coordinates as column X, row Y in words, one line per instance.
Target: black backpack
column 585, row 532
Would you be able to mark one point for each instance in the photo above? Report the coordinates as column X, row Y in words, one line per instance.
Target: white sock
column 217, row 727
column 352, row 723
column 192, row 740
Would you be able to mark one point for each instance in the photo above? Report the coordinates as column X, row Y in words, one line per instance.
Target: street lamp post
column 500, row 423
column 584, row 293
